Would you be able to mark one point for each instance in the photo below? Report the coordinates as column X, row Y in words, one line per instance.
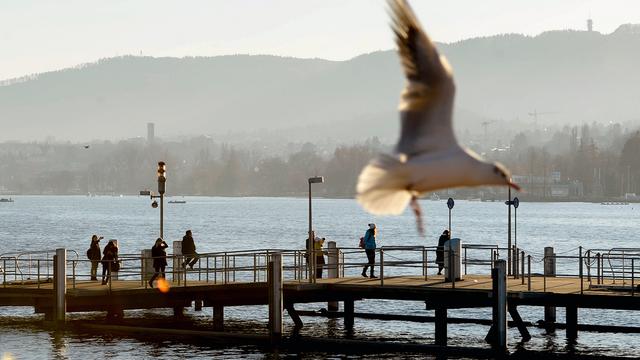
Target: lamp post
column 311, row 259
column 162, row 179
column 509, row 203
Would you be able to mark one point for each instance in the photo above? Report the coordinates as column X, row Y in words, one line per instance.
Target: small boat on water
column 614, row 203
column 177, row 201
column 6, row 200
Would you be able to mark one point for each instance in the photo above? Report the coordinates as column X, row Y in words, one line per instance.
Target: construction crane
column 535, row 115
column 485, row 124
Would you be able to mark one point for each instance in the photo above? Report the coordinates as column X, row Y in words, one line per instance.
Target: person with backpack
column 370, row 250
column 93, row 254
column 159, row 259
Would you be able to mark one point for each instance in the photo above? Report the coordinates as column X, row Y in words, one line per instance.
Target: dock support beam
column 218, row 317
column 522, row 328
column 332, row 252
column 497, row 335
column 441, row 326
column 572, row 323
column 348, row 314
column 197, row 305
column 294, row 316
column 60, row 281
column 549, row 271
column 275, row 296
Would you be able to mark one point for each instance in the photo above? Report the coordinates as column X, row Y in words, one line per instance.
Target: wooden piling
column 441, row 325
column 572, row 322
column 332, row 271
column 549, row 271
column 197, row 305
column 60, row 281
column 218, row 317
column 275, row 296
column 499, row 299
column 146, row 267
column 348, row 314
column 177, row 262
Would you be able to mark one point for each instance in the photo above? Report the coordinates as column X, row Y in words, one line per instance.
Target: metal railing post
column 598, row 268
column 633, row 285
column 207, row 273
column 529, row 272
column 38, row 263
column 381, row 267
column 580, row 270
column 465, row 261
column 73, row 272
column 522, row 267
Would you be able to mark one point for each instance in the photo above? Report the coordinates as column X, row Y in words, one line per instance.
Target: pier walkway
column 603, row 279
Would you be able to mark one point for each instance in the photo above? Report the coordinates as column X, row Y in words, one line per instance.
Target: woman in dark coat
column 109, row 259
column 94, row 255
column 159, row 259
column 440, row 250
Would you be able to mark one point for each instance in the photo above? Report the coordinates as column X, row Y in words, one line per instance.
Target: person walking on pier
column 370, row 249
column 159, row 259
column 109, row 261
column 93, row 254
column 317, row 247
column 440, row 250
column 189, row 250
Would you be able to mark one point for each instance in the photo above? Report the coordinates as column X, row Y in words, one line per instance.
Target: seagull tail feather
column 382, row 186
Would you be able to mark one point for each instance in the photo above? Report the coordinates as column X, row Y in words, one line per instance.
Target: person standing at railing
column 159, row 259
column 370, row 249
column 440, row 250
column 109, row 261
column 317, row 247
column 93, row 254
column 189, row 250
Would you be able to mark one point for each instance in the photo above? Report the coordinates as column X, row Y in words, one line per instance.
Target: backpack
column 361, row 244
column 89, row 254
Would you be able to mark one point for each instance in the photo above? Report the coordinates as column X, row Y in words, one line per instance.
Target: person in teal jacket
column 370, row 250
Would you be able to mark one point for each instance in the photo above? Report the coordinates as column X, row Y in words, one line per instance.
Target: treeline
column 602, row 160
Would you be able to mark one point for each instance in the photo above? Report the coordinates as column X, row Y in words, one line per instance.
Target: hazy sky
column 42, row 35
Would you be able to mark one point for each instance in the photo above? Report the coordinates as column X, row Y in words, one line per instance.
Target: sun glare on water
column 7, row 356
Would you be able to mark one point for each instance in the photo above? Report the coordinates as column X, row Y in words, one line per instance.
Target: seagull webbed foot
column 415, row 206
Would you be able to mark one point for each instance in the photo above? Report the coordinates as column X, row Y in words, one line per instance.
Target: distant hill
column 577, row 75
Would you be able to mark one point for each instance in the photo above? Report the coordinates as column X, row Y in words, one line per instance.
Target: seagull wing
column 427, row 100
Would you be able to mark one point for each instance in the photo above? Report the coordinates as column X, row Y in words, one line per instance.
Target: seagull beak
column 514, row 185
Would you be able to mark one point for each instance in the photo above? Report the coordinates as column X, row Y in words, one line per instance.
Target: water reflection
column 59, row 344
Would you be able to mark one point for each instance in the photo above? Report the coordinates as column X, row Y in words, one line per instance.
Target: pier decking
column 245, row 278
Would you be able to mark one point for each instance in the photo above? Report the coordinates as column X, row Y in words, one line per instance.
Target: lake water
column 49, row 222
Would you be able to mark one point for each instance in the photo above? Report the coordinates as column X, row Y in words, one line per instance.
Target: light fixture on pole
column 311, row 259
column 162, row 179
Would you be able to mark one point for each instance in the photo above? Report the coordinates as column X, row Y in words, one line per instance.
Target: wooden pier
column 282, row 285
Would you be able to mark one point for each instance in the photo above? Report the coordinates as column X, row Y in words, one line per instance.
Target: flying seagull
column 427, row 156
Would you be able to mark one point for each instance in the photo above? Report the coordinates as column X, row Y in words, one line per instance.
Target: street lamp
column 162, row 179
column 311, row 259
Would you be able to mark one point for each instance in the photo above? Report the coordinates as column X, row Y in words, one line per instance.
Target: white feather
column 382, row 186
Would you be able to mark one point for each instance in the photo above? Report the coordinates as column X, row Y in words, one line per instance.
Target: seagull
column 86, row 146
column 427, row 156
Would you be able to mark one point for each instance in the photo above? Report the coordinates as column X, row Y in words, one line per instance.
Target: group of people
column 108, row 258
column 110, row 263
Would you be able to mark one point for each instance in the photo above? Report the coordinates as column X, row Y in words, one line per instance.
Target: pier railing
column 614, row 269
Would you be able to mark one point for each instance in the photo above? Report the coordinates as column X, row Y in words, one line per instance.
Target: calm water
column 39, row 222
